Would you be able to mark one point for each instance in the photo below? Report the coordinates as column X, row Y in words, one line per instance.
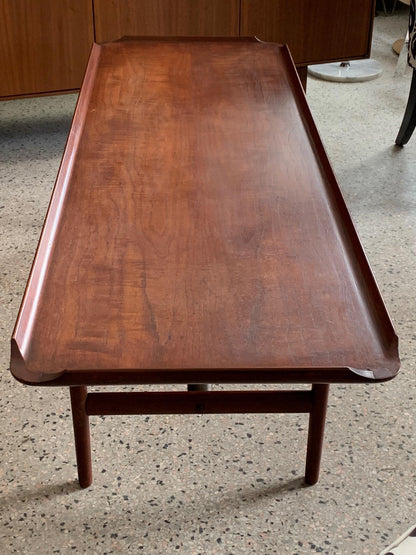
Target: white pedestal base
column 356, row 70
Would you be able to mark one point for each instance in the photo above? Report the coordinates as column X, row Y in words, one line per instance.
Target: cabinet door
column 44, row 45
column 318, row 31
column 117, row 18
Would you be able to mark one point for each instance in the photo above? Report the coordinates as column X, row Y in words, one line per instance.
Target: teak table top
column 196, row 232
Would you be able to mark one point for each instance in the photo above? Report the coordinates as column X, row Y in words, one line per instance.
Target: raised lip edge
column 19, row 367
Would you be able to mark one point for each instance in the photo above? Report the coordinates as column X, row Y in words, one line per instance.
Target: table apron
column 199, row 402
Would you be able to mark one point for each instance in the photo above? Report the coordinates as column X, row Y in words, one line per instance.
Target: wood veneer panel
column 196, row 233
column 117, row 18
column 44, row 45
column 318, row 31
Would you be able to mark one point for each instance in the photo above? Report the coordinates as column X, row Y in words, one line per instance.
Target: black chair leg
column 409, row 119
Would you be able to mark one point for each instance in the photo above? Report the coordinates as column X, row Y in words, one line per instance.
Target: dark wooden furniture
column 44, row 44
column 196, row 234
column 117, row 18
column 316, row 32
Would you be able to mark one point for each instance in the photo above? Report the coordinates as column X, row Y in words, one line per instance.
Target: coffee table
column 197, row 235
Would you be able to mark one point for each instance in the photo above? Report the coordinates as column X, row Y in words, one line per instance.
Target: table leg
column 303, row 75
column 80, row 421
column 316, row 432
column 199, row 387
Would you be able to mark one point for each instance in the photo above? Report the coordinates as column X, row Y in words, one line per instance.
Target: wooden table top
column 196, row 232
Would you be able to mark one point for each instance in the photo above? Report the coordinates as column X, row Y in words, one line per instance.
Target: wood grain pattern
column 316, row 32
column 197, row 234
column 117, row 18
column 44, row 45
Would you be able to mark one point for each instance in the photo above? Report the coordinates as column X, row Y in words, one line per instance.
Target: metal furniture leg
column 409, row 118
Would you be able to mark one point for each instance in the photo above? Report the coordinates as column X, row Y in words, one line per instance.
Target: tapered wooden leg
column 199, row 387
column 82, row 435
column 303, row 75
column 316, row 432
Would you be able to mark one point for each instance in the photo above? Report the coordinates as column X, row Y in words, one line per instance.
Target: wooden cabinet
column 117, row 18
column 44, row 45
column 319, row 31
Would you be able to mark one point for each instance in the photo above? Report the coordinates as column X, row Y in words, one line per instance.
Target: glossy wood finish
column 81, row 425
column 316, row 32
column 197, row 234
column 44, row 45
column 316, row 430
column 117, row 18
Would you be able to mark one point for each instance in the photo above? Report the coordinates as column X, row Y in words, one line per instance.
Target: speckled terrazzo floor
column 220, row 484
